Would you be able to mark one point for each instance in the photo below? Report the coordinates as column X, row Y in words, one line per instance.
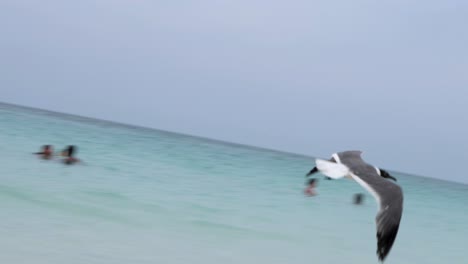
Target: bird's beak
column 312, row 171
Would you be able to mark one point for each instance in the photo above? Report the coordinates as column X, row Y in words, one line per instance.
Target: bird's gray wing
column 389, row 197
column 388, row 218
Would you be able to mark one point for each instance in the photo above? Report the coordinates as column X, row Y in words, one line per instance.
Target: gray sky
column 311, row 77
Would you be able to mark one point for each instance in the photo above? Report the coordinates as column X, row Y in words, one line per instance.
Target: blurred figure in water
column 69, row 153
column 310, row 189
column 358, row 198
column 46, row 152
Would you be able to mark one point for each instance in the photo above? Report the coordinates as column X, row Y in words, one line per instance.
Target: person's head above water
column 46, row 152
column 312, row 182
column 69, row 151
column 46, row 148
column 358, row 198
column 310, row 189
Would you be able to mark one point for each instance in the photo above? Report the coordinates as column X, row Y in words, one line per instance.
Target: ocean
column 149, row 196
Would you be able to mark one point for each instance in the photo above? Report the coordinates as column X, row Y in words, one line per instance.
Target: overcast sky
column 312, row 77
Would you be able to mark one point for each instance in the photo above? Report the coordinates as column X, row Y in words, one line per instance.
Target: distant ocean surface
column 147, row 196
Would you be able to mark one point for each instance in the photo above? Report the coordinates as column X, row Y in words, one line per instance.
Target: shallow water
column 147, row 196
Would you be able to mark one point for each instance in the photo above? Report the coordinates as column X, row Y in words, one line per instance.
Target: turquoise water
column 146, row 196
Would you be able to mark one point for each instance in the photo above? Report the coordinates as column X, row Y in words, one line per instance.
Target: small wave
column 49, row 202
column 240, row 231
column 106, row 194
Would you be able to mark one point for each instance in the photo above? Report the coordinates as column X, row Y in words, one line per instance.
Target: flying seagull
column 389, row 195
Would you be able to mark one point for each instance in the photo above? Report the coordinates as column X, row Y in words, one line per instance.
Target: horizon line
column 132, row 126
column 213, row 140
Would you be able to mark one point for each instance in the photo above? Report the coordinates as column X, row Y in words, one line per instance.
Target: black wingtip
column 312, row 171
column 385, row 242
column 385, row 174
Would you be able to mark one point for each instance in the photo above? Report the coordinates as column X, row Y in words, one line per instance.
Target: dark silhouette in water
column 46, row 153
column 358, row 198
column 69, row 153
column 310, row 189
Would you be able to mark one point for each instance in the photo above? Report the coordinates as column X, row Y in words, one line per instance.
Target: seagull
column 388, row 195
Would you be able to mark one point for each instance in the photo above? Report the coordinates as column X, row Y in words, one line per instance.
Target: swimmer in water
column 310, row 189
column 68, row 154
column 358, row 198
column 46, row 152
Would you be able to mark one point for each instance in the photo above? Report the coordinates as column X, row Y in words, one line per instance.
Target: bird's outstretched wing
column 388, row 219
column 389, row 197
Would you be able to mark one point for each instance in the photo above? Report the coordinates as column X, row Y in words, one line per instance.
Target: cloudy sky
column 311, row 77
